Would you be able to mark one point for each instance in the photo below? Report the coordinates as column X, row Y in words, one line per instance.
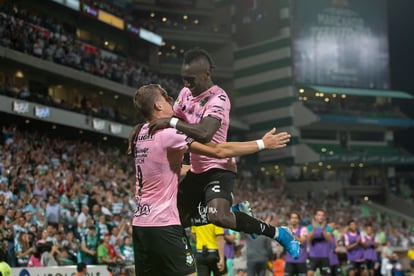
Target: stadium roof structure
column 361, row 92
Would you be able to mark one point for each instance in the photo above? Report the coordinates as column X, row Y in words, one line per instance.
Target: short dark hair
column 295, row 213
column 197, row 53
column 351, row 221
column 80, row 267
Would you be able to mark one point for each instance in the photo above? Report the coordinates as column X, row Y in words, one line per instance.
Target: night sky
column 401, row 39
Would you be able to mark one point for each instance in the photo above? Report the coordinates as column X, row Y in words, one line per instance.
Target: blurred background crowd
column 69, row 197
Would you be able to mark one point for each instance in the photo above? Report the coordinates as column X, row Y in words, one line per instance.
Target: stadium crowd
column 26, row 32
column 74, row 200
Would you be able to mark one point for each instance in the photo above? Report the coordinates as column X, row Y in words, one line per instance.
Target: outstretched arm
column 202, row 132
column 231, row 149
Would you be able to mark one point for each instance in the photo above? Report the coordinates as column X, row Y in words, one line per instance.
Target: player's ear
column 158, row 105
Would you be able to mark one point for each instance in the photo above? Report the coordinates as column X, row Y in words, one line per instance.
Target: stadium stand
column 91, row 189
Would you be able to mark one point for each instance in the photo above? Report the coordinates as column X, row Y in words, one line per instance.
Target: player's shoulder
column 217, row 90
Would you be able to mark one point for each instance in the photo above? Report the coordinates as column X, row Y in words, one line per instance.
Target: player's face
column 168, row 100
column 353, row 226
column 320, row 217
column 294, row 219
column 196, row 76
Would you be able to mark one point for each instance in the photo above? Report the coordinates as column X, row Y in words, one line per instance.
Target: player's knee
column 220, row 218
column 215, row 218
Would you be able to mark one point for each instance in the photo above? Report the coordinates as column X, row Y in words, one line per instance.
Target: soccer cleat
column 244, row 207
column 288, row 241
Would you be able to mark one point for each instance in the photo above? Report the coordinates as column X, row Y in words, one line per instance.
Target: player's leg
column 190, row 195
column 219, row 196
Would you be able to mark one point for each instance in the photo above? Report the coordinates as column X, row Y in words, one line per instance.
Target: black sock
column 250, row 225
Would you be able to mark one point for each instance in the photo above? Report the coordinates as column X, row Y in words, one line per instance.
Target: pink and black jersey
column 158, row 161
column 213, row 102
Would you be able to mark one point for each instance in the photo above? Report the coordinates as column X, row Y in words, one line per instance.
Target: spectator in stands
column 53, row 210
column 102, row 226
column 89, row 246
column 35, row 258
column 83, row 216
column 23, row 249
column 72, row 245
column 50, row 251
column 126, row 250
column 69, row 218
column 106, row 253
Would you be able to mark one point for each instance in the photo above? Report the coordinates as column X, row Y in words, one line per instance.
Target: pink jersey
column 158, row 161
column 212, row 102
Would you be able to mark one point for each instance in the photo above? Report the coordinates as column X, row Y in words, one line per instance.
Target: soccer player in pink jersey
column 202, row 111
column 160, row 243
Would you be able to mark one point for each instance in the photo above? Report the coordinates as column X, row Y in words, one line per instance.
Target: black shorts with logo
column 195, row 190
column 162, row 251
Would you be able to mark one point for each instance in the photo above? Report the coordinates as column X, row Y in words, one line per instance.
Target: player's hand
column 159, row 124
column 275, row 141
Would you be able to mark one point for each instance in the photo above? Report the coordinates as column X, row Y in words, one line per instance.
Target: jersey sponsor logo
column 202, row 210
column 144, row 137
column 142, row 209
column 140, row 155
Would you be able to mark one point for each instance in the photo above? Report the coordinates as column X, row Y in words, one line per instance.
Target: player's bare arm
column 202, row 132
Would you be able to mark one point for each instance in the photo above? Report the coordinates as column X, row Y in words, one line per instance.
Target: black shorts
column 370, row 264
column 321, row 263
column 162, row 251
column 356, row 265
column 295, row 269
column 196, row 190
column 336, row 270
